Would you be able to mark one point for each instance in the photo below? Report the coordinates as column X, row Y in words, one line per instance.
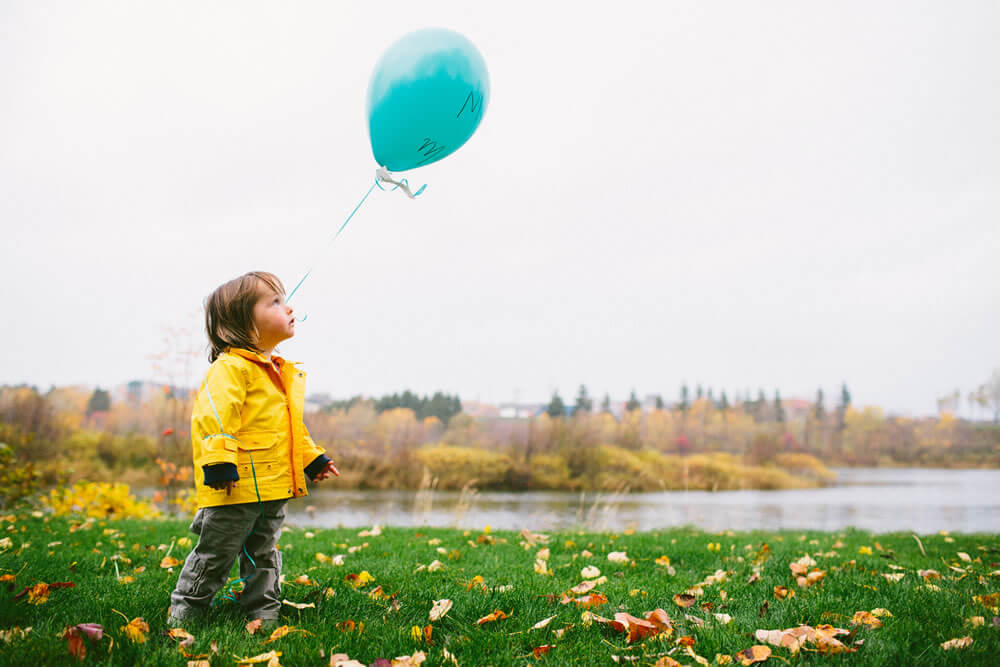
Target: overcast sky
column 784, row 195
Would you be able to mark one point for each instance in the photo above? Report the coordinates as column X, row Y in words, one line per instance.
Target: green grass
column 921, row 620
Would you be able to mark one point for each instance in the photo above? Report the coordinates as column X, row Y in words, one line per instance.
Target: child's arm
column 215, row 419
column 321, row 466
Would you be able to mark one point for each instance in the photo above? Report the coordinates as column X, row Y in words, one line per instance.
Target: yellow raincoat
column 260, row 410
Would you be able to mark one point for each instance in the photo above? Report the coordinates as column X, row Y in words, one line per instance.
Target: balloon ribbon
column 381, row 174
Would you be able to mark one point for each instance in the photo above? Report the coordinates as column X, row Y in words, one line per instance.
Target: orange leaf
column 168, row 562
column 659, row 618
column 865, row 618
column 684, row 600
column 254, row 625
column 638, row 629
column 495, row 616
column 584, row 587
column 74, row 642
column 539, row 651
column 783, row 592
column 346, row 626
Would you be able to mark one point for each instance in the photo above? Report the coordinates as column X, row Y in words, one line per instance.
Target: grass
column 45, row 550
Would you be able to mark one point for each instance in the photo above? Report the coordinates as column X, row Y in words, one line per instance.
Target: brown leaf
column 659, row 618
column 583, row 587
column 763, row 609
column 254, row 625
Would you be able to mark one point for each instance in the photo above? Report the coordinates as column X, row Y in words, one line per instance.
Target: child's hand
column 228, row 486
column 325, row 472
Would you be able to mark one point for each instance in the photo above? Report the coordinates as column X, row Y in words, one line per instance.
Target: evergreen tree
column 723, row 402
column 583, row 402
column 818, row 410
column 606, row 404
column 711, row 398
column 99, row 401
column 556, row 408
column 659, row 402
column 684, row 403
column 760, row 405
column 779, row 411
column 699, row 393
column 633, row 402
column 845, row 397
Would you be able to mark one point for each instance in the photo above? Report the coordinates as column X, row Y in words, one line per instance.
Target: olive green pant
column 221, row 534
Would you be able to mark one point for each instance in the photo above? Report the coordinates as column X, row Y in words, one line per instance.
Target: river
column 875, row 499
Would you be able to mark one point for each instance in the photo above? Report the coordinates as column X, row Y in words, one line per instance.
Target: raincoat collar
column 260, row 358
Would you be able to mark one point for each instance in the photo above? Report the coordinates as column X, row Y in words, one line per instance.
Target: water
column 880, row 500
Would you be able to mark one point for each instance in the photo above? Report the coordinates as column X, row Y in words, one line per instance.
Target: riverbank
column 717, row 589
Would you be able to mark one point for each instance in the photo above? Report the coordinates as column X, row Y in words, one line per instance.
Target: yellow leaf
column 976, row 621
column 758, row 653
column 263, row 657
column 299, row 605
column 663, row 561
column 783, row 592
column 136, row 630
column 865, row 551
column 865, row 618
column 283, row 631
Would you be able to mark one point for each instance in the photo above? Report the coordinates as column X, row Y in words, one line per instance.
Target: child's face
column 273, row 318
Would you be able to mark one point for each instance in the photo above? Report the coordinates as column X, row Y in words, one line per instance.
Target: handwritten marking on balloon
column 470, row 102
column 430, row 149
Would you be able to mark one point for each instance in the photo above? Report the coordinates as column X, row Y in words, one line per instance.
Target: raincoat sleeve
column 216, row 416
column 314, row 458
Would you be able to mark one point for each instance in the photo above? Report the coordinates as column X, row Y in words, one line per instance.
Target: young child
column 251, row 450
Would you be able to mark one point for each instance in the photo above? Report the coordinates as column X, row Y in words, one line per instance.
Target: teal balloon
column 426, row 97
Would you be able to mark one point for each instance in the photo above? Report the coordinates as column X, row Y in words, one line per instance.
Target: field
column 717, row 592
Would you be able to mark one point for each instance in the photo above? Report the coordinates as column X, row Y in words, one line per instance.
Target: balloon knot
column 383, row 175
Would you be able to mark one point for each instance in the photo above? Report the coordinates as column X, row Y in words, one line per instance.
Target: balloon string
column 329, row 243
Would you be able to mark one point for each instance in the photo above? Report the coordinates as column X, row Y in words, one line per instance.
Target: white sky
column 770, row 194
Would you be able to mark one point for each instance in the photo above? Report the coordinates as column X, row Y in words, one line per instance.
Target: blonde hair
column 229, row 312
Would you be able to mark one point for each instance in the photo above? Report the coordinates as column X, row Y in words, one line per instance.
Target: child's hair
column 229, row 312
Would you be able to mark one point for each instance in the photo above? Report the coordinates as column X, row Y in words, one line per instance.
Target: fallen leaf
column 168, row 562
column 590, row 572
column 583, row 587
column 542, row 567
column 618, row 557
column 439, row 609
column 587, row 601
column 928, row 575
column 263, row 657
column 637, row 628
column 283, row 631
column 254, row 625
column 75, row 644
column 802, row 565
column 961, row 642
column 724, row 619
column 360, row 579
column 866, row 619
column 496, row 615
column 758, row 653
column 964, row 556
column 136, row 630
column 299, row 605
column 990, row 601
column 783, row 592
column 7, row 636
column 976, row 621
column 684, row 600
column 541, row 624
column 881, row 613
column 303, row 580
column 539, row 651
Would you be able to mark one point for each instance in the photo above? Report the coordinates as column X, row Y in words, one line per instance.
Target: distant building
column 480, row 410
column 520, row 410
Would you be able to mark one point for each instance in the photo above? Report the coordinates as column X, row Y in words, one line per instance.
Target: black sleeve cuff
column 317, row 465
column 220, row 472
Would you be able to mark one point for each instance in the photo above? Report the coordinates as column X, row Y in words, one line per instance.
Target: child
column 251, row 450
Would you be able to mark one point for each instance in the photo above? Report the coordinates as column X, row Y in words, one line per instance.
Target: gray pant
column 221, row 532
